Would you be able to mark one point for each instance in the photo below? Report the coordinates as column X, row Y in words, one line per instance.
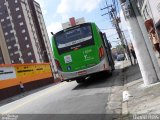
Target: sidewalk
column 142, row 99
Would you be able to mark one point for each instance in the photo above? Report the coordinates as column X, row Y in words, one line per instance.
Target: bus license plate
column 82, row 72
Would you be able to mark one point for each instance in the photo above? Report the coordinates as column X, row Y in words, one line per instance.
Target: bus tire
column 113, row 68
column 110, row 73
column 79, row 80
column 107, row 73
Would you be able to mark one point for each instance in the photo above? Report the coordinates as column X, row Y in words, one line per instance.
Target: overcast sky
column 56, row 12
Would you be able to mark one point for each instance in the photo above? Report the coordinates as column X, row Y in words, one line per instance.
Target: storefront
column 157, row 25
column 149, row 25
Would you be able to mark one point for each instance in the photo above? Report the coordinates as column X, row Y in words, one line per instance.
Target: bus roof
column 73, row 27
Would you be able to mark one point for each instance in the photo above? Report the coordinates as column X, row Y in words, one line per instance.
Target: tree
column 120, row 49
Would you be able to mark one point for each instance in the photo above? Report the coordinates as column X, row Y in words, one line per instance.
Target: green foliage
column 120, row 48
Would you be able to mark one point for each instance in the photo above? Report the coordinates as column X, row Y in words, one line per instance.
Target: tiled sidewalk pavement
column 143, row 100
column 114, row 101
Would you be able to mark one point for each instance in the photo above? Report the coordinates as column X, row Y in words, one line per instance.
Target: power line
column 112, row 12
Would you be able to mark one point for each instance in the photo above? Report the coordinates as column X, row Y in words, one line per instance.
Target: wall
column 155, row 8
column 31, row 75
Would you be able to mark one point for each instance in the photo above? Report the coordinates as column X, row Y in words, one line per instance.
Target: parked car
column 120, row 57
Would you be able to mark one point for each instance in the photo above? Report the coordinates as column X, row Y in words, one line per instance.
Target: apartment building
column 23, row 34
column 1, row 56
column 4, row 55
column 41, row 28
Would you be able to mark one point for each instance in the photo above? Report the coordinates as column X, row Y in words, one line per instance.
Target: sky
column 56, row 12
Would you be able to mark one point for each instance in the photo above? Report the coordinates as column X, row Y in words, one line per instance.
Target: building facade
column 1, row 56
column 23, row 33
column 150, row 11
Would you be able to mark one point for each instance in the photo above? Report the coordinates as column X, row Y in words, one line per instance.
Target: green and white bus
column 81, row 51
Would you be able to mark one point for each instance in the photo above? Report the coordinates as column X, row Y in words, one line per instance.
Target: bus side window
column 103, row 40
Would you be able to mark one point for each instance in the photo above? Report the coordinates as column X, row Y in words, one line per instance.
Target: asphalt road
column 67, row 100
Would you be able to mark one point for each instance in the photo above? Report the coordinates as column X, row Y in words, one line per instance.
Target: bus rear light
column 101, row 53
column 58, row 65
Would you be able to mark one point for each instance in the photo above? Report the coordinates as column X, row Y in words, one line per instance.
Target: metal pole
column 121, row 36
column 129, row 53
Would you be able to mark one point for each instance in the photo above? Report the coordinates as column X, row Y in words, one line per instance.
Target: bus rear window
column 74, row 39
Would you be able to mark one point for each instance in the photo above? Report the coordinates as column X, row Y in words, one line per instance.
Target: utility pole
column 129, row 54
column 147, row 61
column 116, row 21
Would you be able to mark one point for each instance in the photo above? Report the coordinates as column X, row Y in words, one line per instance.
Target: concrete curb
column 125, row 111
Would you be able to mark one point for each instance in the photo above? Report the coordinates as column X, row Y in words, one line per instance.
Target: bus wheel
column 107, row 73
column 80, row 80
column 113, row 68
column 110, row 73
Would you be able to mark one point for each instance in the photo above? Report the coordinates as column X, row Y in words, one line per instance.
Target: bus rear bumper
column 102, row 66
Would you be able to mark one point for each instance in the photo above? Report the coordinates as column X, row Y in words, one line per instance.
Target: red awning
column 149, row 25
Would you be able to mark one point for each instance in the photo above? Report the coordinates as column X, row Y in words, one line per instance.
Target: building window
column 16, row 52
column 144, row 15
column 11, row 31
column 17, row 8
column 19, row 16
column 2, row 20
column 9, row 47
column 7, row 17
column 21, row 60
column 12, row 61
column 5, row 3
column 26, row 38
column 9, row 25
column 21, row 23
column 12, row 38
column 23, row 31
column 146, row 7
column 29, row 54
column 11, row 54
column 4, row 27
column 6, row 33
column 15, row 45
column 7, row 40
column 27, row 46
column 158, row 7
